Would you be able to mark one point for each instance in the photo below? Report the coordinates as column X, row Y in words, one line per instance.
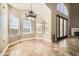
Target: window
column 65, row 29
column 62, row 9
column 14, row 22
column 14, row 25
column 39, row 27
column 27, row 28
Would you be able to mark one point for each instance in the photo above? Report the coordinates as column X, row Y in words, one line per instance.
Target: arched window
column 62, row 9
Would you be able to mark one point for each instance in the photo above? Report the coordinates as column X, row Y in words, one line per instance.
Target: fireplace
column 76, row 33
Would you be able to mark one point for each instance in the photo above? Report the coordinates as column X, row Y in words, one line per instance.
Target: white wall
column 4, row 26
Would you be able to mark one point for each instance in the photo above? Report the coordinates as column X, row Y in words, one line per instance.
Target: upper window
column 62, row 9
column 14, row 22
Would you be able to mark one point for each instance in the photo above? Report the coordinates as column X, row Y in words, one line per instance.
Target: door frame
column 59, row 38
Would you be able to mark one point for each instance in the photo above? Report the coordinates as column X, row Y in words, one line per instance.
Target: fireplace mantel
column 74, row 30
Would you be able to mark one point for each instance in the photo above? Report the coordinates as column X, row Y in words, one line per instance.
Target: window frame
column 63, row 27
column 30, row 32
column 10, row 16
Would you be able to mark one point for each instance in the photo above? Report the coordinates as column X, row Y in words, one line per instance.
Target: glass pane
column 65, row 27
column 27, row 26
column 14, row 24
column 61, row 27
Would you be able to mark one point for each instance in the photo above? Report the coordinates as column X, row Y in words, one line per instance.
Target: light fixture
column 30, row 15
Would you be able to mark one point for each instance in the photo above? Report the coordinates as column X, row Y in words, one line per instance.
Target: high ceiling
column 38, row 8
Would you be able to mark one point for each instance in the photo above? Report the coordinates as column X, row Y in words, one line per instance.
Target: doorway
column 61, row 27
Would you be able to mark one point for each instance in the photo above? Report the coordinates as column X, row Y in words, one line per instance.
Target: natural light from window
column 62, row 9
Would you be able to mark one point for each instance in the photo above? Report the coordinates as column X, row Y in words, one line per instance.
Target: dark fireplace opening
column 76, row 34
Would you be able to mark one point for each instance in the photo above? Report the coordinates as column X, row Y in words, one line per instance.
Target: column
column 4, row 25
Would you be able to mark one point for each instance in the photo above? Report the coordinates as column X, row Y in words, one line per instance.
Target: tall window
column 27, row 27
column 14, row 25
column 62, row 9
column 65, row 27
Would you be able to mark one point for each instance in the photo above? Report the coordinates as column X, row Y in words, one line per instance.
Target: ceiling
column 39, row 8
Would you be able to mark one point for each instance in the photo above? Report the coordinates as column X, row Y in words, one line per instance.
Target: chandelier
column 30, row 15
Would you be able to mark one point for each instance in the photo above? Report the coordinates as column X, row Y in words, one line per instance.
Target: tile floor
column 39, row 47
